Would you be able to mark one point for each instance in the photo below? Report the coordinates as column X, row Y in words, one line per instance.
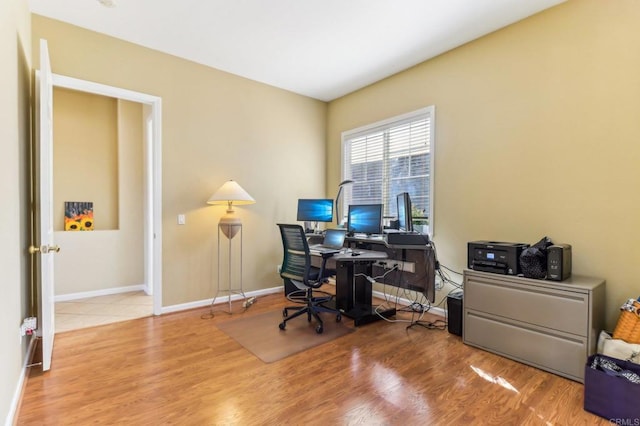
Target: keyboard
column 374, row 237
column 320, row 249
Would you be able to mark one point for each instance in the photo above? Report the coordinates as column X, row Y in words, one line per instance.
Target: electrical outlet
column 31, row 322
column 182, row 219
column 278, row 268
column 29, row 326
column 407, row 267
column 398, row 264
column 439, row 283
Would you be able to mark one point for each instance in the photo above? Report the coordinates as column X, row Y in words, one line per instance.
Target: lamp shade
column 231, row 193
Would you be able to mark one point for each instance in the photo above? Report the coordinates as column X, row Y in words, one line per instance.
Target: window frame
column 426, row 112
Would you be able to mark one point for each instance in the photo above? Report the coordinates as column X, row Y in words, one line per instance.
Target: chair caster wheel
column 285, row 313
column 282, row 326
column 319, row 329
column 338, row 318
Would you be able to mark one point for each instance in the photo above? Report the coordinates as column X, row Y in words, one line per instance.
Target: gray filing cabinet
column 547, row 324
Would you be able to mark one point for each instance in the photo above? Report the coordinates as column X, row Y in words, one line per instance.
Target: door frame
column 152, row 116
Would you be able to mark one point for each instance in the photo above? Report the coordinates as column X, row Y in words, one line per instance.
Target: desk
column 416, row 263
column 354, row 292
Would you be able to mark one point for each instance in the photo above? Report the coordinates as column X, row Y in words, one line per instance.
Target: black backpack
column 533, row 260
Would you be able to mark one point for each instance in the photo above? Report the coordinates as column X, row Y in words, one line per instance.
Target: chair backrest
column 296, row 264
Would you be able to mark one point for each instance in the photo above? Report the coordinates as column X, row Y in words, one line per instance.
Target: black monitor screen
column 365, row 218
column 404, row 212
column 315, row 210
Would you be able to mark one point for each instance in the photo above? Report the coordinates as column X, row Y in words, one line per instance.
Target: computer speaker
column 558, row 262
column 454, row 313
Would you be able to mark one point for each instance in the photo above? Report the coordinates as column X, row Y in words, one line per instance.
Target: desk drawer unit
column 549, row 325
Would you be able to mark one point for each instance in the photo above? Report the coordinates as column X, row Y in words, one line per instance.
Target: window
column 389, row 157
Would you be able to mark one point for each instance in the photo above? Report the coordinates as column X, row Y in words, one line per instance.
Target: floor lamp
column 230, row 225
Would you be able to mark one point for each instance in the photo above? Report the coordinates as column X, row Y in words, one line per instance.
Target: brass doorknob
column 44, row 249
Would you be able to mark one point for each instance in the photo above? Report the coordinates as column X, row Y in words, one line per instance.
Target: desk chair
column 297, row 269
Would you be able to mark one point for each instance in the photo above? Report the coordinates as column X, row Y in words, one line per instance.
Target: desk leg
column 362, row 288
column 354, row 293
column 344, row 288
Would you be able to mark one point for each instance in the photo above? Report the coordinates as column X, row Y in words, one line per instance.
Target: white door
column 47, row 247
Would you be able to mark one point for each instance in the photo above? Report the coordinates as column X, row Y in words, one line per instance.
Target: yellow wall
column 216, row 126
column 110, row 256
column 15, row 133
column 537, row 130
column 85, row 155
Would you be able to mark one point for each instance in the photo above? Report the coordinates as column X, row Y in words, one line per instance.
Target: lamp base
column 230, row 225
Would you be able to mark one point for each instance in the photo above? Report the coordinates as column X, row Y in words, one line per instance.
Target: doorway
column 151, row 178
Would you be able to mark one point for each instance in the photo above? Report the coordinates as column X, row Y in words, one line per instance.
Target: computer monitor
column 404, row 212
column 365, row 218
column 315, row 210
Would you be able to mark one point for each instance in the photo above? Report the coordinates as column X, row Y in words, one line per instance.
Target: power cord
column 245, row 305
column 374, row 279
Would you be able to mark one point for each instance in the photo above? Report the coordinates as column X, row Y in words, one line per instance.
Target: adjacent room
column 200, row 152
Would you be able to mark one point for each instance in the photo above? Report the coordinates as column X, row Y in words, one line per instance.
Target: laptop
column 333, row 241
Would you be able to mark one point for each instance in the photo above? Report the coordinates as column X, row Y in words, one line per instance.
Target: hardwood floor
column 181, row 369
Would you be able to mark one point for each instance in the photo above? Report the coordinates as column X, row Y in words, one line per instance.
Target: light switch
column 181, row 219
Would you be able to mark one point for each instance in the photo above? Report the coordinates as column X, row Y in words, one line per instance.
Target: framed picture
column 78, row 216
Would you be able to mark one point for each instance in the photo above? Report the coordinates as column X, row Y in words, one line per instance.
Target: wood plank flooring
column 181, row 369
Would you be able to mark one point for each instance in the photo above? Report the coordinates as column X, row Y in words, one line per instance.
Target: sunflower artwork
column 78, row 216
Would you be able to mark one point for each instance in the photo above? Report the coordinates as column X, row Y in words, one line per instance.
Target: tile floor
column 82, row 313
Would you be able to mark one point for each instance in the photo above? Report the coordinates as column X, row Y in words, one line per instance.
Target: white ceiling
column 319, row 48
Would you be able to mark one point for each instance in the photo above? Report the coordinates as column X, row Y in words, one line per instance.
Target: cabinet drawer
column 558, row 309
column 553, row 351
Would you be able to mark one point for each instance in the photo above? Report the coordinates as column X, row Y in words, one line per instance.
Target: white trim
column 221, row 299
column 155, row 238
column 432, row 171
column 95, row 293
column 153, row 161
column 433, row 310
column 102, row 89
column 383, row 123
column 266, row 291
column 409, row 116
column 17, row 394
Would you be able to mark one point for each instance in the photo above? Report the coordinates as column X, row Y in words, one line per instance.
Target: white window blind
column 390, row 157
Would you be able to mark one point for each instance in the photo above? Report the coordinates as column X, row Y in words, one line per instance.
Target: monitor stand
column 311, row 228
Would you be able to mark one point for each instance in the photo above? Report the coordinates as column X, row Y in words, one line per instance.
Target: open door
column 44, row 208
column 44, row 193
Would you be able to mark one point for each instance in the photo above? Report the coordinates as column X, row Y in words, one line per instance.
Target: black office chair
column 297, row 269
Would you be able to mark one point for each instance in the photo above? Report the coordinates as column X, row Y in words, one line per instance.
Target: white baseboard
column 95, row 293
column 433, row 310
column 221, row 299
column 17, row 395
column 202, row 303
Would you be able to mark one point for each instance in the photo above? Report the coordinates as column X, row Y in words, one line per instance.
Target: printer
column 496, row 257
